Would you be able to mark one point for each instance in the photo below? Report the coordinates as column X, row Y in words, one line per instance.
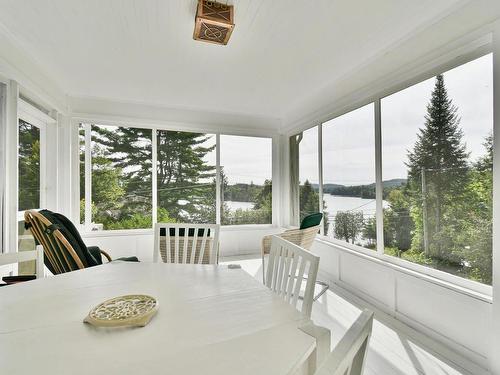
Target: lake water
column 334, row 203
column 234, row 205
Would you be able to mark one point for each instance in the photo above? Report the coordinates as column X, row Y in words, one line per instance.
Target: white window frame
column 45, row 124
column 443, row 278
column 88, row 121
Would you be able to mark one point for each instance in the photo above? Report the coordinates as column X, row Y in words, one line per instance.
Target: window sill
column 455, row 283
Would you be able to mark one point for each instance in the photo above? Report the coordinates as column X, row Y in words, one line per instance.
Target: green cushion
column 311, row 220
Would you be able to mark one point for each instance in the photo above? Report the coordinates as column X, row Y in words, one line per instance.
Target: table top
column 211, row 320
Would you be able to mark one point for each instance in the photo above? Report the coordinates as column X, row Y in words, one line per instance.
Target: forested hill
column 242, row 192
column 248, row 192
column 361, row 191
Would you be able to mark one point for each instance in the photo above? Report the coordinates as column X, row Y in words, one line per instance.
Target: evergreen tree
column 438, row 162
column 308, row 200
column 186, row 182
column 29, row 166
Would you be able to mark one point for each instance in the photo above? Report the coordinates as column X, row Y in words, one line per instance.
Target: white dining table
column 211, row 320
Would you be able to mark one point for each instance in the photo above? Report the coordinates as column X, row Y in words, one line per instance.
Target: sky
column 349, row 141
column 246, row 159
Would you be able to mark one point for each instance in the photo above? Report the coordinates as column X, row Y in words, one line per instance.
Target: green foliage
column 122, row 186
column 347, row 225
column 29, row 166
column 454, row 195
column 438, row 162
column 398, row 224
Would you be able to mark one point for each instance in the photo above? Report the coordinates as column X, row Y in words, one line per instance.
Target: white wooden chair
column 24, row 256
column 348, row 357
column 186, row 243
column 287, row 266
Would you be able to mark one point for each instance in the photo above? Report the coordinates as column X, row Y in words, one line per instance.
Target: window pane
column 121, row 178
column 29, row 166
column 437, row 154
column 186, row 177
column 349, row 177
column 29, row 187
column 246, row 167
column 308, row 173
column 81, row 138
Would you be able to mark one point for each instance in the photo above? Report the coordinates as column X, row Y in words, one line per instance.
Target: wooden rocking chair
column 64, row 249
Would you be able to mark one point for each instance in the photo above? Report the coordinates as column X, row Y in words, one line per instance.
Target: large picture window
column 349, row 177
column 437, row 147
column 246, row 174
column 117, row 175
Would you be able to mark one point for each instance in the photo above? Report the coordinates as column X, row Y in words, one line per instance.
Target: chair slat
column 293, row 279
column 281, row 268
column 36, row 227
column 167, row 244
column 287, row 277
column 203, row 246
column 193, row 247
column 185, row 247
column 176, row 245
column 298, row 283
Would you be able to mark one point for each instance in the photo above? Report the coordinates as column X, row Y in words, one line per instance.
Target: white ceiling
column 142, row 51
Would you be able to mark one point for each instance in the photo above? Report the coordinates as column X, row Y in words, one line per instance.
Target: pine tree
column 185, row 177
column 438, row 162
column 185, row 180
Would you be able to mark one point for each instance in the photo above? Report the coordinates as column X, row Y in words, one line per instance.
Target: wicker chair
column 301, row 237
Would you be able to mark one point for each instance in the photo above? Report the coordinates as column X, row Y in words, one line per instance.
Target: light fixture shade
column 214, row 22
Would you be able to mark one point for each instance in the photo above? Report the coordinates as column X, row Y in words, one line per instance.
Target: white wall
column 457, row 321
column 233, row 241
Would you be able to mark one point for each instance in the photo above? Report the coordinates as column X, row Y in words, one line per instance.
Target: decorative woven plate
column 130, row 310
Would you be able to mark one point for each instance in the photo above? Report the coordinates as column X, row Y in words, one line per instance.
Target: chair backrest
column 24, row 256
column 59, row 254
column 287, row 267
column 348, row 357
column 311, row 220
column 186, row 243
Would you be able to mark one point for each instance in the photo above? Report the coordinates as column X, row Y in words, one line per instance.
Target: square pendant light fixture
column 214, row 22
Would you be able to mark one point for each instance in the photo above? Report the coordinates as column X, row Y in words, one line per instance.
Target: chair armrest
column 17, row 279
column 108, row 257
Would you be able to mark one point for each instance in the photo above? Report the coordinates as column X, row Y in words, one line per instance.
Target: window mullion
column 88, row 176
column 218, row 197
column 154, row 163
column 379, row 188
column 320, row 174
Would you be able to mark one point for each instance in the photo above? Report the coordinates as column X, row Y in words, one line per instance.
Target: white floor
column 391, row 352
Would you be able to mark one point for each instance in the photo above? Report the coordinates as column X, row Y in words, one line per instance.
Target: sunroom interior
column 383, row 116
